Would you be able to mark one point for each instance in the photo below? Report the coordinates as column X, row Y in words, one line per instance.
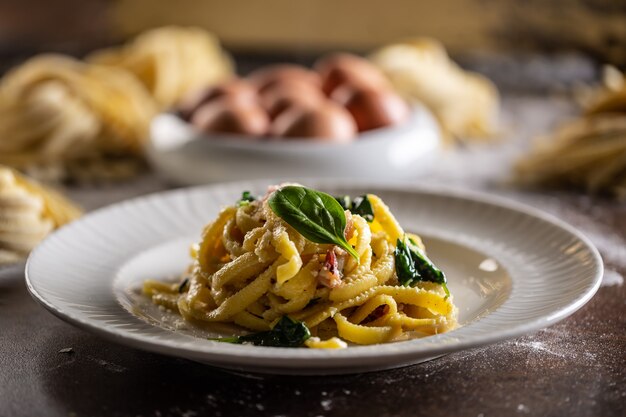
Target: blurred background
column 302, row 29
column 504, row 95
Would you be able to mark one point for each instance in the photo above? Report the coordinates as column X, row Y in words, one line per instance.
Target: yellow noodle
column 289, row 252
column 231, row 244
column 332, row 343
column 387, row 221
column 363, row 239
column 151, row 287
column 244, row 267
column 372, row 304
column 250, row 321
column 252, row 268
column 364, row 335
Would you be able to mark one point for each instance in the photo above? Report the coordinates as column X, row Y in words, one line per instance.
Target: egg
column 326, row 122
column 268, row 76
column 228, row 115
column 372, row 108
column 237, row 89
column 341, row 68
column 289, row 93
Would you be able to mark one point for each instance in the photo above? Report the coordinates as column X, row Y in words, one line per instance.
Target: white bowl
column 186, row 156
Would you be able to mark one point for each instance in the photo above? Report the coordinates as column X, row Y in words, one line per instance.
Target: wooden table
column 575, row 368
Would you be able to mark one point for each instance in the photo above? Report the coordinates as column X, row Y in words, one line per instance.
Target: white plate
column 186, row 156
column 512, row 270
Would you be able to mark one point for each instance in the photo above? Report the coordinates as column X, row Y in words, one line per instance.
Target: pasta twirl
column 254, row 267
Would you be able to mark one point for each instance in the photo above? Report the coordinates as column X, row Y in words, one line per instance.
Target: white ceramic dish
column 512, row 270
column 186, row 156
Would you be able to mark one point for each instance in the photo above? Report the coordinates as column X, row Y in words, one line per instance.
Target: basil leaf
column 315, row 215
column 246, row 198
column 287, row 333
column 412, row 266
column 363, row 207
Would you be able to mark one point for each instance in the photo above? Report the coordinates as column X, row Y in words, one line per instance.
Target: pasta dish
column 298, row 267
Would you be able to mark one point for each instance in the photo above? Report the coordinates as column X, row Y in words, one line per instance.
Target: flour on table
column 611, row 278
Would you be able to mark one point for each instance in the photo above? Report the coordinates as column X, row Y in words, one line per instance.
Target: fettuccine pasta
column 252, row 268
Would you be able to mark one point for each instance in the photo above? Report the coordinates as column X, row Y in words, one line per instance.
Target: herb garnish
column 360, row 205
column 246, row 198
column 286, row 333
column 315, row 215
column 413, row 266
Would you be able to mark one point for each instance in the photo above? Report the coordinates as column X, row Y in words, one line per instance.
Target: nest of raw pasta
column 67, row 119
column 588, row 152
column 253, row 269
column 28, row 213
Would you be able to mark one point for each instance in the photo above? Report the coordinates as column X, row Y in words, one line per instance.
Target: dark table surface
column 574, row 368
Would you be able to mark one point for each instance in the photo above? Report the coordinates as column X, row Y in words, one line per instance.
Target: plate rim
column 344, row 357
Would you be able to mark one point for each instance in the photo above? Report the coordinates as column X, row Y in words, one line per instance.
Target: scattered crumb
column 66, row 350
column 327, row 405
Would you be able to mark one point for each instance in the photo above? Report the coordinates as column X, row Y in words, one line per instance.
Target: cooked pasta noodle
column 252, row 268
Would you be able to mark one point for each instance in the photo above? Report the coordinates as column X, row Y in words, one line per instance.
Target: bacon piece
column 330, row 274
column 341, row 257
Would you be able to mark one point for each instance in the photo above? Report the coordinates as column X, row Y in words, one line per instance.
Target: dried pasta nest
column 589, row 152
column 67, row 119
column 170, row 61
column 466, row 104
column 59, row 112
column 28, row 212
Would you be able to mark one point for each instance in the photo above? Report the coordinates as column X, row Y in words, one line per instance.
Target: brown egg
column 237, row 89
column 268, row 76
column 228, row 115
column 341, row 68
column 327, row 122
column 372, row 108
column 289, row 93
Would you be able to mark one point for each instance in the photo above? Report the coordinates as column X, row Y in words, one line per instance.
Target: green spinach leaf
column 246, row 198
column 315, row 215
column 344, row 201
column 413, row 266
column 360, row 205
column 286, row 333
column 405, row 268
column 363, row 207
